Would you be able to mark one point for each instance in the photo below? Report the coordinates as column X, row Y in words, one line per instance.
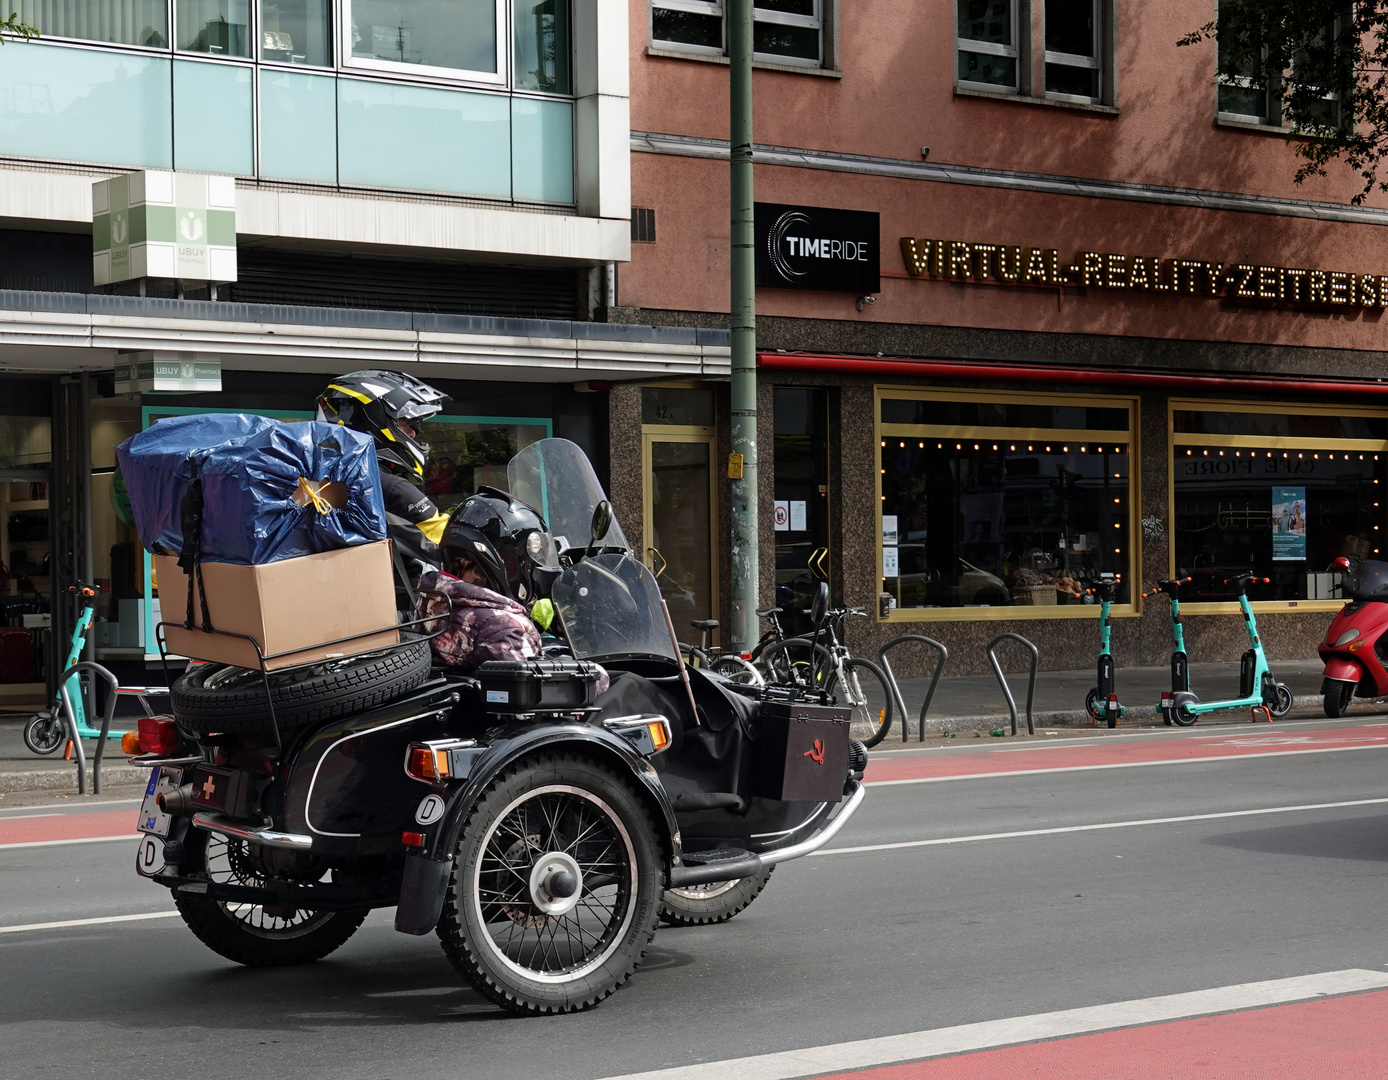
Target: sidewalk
column 962, row 703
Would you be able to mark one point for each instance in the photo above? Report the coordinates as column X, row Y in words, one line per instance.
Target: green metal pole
column 746, row 568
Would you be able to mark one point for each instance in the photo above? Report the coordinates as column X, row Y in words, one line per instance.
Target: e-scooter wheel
column 1281, row 703
column 1091, row 705
column 1183, row 717
column 43, row 733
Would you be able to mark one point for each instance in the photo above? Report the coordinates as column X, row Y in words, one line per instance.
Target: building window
column 1073, row 49
column 458, row 39
column 783, row 31
column 1009, row 503
column 296, row 32
column 988, row 54
column 216, row 27
column 542, row 46
column 1279, row 490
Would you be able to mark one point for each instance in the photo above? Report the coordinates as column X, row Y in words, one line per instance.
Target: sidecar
column 533, row 814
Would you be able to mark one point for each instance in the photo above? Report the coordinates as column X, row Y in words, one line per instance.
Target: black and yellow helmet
column 389, row 406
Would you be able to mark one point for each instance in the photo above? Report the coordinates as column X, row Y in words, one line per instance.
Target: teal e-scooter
column 1102, row 702
column 1259, row 691
column 1180, row 663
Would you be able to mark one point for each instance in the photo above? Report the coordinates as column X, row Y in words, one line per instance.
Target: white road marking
column 66, row 807
column 1096, row 827
column 75, row 840
column 967, row 1038
column 1124, row 765
column 87, row 922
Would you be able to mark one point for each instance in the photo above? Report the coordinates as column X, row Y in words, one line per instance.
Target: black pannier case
column 538, row 685
column 801, row 751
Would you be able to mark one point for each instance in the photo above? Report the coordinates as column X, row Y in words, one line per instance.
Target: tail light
column 427, row 763
column 158, row 735
column 130, row 743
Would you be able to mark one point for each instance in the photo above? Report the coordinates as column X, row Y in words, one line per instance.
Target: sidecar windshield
column 555, row 477
column 609, row 606
column 1368, row 582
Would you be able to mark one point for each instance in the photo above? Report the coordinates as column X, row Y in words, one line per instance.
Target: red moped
column 1354, row 648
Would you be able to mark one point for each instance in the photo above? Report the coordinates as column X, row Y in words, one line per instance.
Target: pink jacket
column 484, row 625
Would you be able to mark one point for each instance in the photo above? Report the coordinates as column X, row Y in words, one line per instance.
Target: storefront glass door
column 679, row 525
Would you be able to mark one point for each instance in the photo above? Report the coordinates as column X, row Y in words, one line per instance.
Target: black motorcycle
column 541, row 828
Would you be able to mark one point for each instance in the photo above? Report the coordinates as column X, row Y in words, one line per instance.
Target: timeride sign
column 1012, row 264
column 158, row 224
column 147, row 372
column 811, row 247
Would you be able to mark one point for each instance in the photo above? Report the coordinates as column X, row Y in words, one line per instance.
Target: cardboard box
column 292, row 607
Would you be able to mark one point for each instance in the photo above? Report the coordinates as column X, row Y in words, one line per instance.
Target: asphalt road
column 840, row 947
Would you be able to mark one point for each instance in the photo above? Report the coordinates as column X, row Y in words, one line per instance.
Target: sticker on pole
column 430, row 810
column 149, row 856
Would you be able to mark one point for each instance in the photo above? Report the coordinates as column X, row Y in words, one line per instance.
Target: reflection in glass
column 218, row 27
column 124, row 22
column 298, row 126
column 788, row 7
column 777, row 39
column 296, row 32
column 542, row 45
column 681, row 516
column 986, row 20
column 1075, row 81
column 684, row 406
column 1070, row 26
column 213, row 124
column 990, row 521
column 687, row 28
column 458, row 34
column 981, row 68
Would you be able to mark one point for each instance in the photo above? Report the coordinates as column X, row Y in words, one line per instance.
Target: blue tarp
column 250, row 468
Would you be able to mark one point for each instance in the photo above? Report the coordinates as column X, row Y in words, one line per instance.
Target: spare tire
column 221, row 698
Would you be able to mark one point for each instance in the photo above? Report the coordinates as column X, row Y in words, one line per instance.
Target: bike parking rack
column 1002, row 679
column 76, row 736
column 943, row 655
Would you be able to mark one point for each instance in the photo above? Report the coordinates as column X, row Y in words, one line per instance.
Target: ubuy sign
column 147, row 372
column 164, row 225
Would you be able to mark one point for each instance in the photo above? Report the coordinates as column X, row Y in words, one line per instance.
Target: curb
column 66, row 779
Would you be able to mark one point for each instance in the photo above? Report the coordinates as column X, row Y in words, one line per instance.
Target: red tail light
column 159, row 735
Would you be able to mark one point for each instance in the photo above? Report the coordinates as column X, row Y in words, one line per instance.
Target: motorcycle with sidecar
column 540, row 828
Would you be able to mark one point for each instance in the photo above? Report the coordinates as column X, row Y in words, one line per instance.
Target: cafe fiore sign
column 811, row 247
column 1004, row 264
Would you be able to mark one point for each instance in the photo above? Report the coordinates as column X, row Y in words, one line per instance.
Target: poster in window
column 781, row 515
column 797, row 515
column 1288, row 524
column 889, row 529
column 891, row 566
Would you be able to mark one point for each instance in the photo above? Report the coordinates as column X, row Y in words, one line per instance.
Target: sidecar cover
column 263, row 484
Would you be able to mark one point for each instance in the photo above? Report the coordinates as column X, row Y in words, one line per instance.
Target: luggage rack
column 444, row 617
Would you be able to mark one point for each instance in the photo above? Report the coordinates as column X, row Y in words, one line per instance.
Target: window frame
column 500, row 79
column 1131, row 439
column 1175, row 439
column 1095, row 62
column 993, row 48
column 818, row 22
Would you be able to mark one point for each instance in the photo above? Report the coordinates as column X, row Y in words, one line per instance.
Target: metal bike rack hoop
column 76, row 736
column 942, row 655
column 1002, row 679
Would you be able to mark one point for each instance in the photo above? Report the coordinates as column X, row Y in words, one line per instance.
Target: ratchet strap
column 190, row 555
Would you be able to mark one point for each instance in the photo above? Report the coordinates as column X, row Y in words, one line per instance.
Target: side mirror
column 602, row 521
column 820, row 605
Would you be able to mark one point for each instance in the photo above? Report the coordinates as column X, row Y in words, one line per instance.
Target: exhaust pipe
column 178, row 802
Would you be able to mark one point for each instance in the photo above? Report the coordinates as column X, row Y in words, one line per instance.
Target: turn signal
column 660, row 734
column 130, row 743
column 158, row 735
column 1355, row 646
column 427, row 764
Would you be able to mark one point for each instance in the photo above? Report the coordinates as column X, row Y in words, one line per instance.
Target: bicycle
column 713, row 658
column 830, row 666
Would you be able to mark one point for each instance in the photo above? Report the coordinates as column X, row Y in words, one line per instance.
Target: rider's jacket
column 484, row 625
column 412, row 521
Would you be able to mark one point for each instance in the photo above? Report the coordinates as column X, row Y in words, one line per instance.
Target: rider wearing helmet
column 491, row 548
column 390, row 407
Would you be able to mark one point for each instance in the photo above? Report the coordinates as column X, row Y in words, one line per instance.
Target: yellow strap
column 433, row 527
column 311, row 495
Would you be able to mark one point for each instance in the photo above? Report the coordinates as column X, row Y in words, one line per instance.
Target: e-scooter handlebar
column 1169, row 587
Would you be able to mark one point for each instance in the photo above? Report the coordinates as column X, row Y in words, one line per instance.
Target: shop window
column 800, row 521
column 783, row 31
column 1281, row 492
column 1013, row 503
column 456, row 39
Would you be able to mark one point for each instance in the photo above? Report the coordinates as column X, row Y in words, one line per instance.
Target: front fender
column 518, row 742
column 1342, row 668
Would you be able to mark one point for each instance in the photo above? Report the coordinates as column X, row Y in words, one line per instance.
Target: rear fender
column 441, row 839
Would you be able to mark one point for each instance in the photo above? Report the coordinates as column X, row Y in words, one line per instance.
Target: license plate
column 153, row 820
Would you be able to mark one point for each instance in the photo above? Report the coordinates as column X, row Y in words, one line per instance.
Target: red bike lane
column 1342, row 1038
column 40, row 828
column 1244, row 742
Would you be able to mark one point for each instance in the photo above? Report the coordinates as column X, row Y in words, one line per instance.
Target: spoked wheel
column 699, row 905
column 556, row 887
column 738, row 670
column 43, row 733
column 248, row 933
column 788, row 663
column 1281, row 703
column 1338, row 696
column 865, row 693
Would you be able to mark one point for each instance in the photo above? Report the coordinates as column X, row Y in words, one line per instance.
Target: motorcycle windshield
column 609, row 606
column 555, row 477
column 1368, row 582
